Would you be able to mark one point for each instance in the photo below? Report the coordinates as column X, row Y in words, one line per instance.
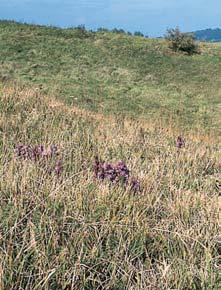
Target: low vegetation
column 74, row 231
column 113, row 73
column 110, row 162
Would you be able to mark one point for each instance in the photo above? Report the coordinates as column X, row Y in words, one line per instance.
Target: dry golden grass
column 74, row 232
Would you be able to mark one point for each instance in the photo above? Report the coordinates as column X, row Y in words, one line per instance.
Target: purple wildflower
column 27, row 152
column 180, row 143
column 122, row 171
column 37, row 152
column 135, row 184
column 41, row 155
column 115, row 173
column 24, row 151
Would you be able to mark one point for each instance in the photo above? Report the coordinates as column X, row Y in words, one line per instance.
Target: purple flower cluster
column 35, row 153
column 46, row 157
column 115, row 173
column 41, row 154
column 180, row 143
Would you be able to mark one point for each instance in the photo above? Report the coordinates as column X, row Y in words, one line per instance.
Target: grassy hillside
column 72, row 105
column 115, row 73
column 72, row 231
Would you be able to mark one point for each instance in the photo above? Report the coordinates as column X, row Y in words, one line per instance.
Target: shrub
column 118, row 31
column 138, row 33
column 179, row 41
column 82, row 32
column 102, row 29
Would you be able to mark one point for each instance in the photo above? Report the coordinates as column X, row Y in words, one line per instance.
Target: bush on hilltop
column 180, row 41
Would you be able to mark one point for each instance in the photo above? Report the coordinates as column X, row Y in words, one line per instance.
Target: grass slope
column 121, row 98
column 114, row 73
column 74, row 232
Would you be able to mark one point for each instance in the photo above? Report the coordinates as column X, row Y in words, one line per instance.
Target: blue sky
column 152, row 17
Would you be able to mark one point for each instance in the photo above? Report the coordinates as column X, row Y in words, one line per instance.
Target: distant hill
column 213, row 35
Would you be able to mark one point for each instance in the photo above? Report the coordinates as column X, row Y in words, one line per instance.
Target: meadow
column 115, row 73
column 67, row 99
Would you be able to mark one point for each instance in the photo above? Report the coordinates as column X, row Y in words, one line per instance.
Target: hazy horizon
column 150, row 17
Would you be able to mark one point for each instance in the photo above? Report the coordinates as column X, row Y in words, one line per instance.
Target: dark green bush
column 118, row 31
column 179, row 41
column 138, row 33
column 82, row 32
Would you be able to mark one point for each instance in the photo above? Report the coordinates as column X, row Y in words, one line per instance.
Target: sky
column 152, row 17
